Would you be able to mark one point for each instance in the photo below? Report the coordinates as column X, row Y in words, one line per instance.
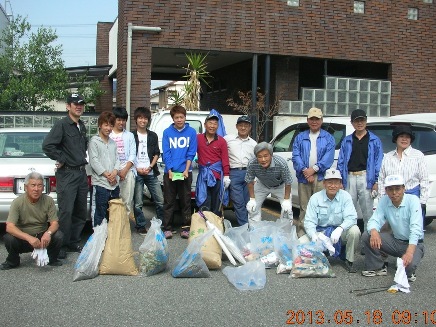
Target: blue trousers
column 101, row 197
column 239, row 195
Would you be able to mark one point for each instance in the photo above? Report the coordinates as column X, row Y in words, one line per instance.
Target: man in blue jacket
column 359, row 162
column 313, row 153
column 179, row 146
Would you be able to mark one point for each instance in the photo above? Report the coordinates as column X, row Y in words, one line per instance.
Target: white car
column 21, row 153
column 340, row 127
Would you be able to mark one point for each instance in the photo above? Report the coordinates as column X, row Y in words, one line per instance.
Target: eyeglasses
column 333, row 182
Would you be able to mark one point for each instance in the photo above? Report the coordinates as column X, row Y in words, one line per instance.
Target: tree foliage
column 263, row 114
column 32, row 71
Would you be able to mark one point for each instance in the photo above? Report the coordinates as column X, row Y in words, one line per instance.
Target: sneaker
column 142, row 231
column 411, row 278
column 55, row 263
column 372, row 273
column 168, row 234
column 349, row 267
column 184, row 234
column 7, row 266
column 74, row 248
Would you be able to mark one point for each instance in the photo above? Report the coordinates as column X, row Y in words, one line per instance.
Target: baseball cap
column 402, row 129
column 244, row 119
column 392, row 180
column 75, row 98
column 332, row 173
column 212, row 116
column 358, row 113
column 314, row 112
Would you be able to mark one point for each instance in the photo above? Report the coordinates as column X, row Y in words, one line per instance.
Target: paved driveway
column 33, row 296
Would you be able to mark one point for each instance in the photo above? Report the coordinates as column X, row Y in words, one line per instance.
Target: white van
column 340, row 127
column 162, row 120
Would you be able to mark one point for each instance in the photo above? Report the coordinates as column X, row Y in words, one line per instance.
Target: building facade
column 306, row 52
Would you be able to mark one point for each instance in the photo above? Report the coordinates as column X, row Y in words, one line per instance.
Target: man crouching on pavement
column 26, row 226
column 403, row 213
column 331, row 212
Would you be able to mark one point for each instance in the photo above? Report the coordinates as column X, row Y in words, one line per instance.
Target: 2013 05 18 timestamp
column 369, row 317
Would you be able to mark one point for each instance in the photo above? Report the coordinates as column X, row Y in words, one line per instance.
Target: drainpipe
column 130, row 29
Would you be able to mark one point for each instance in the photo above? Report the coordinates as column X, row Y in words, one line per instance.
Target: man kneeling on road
column 273, row 176
column 403, row 213
column 331, row 212
column 26, row 227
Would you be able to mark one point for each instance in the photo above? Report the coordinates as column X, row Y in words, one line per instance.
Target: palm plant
column 195, row 73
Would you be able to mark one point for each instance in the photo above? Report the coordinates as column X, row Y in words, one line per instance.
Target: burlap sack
column 211, row 251
column 117, row 258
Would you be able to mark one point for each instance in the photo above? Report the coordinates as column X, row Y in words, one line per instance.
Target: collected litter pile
column 262, row 245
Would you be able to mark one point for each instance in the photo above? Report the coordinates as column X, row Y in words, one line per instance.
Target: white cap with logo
column 332, row 173
column 392, row 180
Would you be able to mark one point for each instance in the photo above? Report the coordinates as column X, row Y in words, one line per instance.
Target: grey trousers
column 391, row 246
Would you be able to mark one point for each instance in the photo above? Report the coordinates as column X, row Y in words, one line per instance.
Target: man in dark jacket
column 67, row 144
column 147, row 153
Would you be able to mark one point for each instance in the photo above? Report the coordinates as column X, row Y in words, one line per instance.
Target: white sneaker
column 411, row 278
column 373, row 273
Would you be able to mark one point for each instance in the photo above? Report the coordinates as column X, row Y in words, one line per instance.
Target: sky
column 75, row 23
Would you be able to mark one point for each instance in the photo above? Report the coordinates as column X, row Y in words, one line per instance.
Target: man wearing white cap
column 331, row 212
column 313, row 153
column 406, row 241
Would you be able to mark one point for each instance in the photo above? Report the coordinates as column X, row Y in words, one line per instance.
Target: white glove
column 226, row 182
column 286, row 206
column 336, row 234
column 314, row 237
column 251, row 205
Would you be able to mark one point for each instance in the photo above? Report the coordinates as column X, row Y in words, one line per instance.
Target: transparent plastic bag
column 311, row 262
column 190, row 263
column 250, row 276
column 153, row 252
column 86, row 266
column 285, row 247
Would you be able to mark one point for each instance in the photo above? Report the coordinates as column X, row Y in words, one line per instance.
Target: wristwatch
column 49, row 232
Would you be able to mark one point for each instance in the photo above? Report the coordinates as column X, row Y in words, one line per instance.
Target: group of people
column 232, row 167
column 363, row 173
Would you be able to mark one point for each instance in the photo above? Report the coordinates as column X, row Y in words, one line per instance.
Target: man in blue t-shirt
column 179, row 146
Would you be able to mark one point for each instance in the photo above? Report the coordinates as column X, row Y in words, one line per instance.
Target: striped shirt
column 275, row 175
column 412, row 167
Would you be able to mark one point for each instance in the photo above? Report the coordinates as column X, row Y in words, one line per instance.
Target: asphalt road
column 33, row 296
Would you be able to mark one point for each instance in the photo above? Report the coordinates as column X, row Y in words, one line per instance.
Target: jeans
column 239, row 195
column 15, row 246
column 155, row 189
column 100, row 203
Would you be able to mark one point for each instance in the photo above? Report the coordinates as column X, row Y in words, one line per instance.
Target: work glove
column 374, row 194
column 314, row 237
column 336, row 234
column 226, row 182
column 251, row 205
column 286, row 206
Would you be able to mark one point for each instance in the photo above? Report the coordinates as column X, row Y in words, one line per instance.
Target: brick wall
column 104, row 103
column 318, row 29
